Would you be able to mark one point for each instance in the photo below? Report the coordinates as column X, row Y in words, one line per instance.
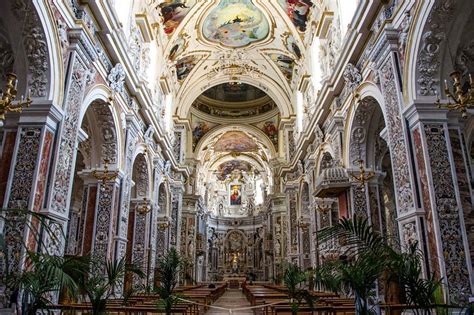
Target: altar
column 234, row 282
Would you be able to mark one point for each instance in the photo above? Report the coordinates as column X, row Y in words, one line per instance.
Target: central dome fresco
column 235, row 23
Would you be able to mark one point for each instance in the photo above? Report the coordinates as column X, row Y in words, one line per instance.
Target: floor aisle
column 232, row 298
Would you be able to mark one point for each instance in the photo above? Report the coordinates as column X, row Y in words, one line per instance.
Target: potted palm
column 100, row 283
column 293, row 278
column 45, row 276
column 169, row 267
column 368, row 258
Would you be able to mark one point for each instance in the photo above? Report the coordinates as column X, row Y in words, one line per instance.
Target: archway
column 138, row 237
column 98, row 212
column 368, row 148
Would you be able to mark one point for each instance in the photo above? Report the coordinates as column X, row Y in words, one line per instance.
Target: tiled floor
column 232, row 298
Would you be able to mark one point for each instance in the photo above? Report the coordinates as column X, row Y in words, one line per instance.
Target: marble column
column 280, row 233
column 177, row 192
column 398, row 138
column 29, row 151
column 293, row 228
column 141, row 227
column 131, row 135
column 78, row 78
column 445, row 191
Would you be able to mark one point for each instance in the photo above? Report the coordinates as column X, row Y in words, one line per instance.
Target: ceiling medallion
column 235, row 23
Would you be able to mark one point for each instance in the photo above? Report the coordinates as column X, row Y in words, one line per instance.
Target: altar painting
column 235, row 197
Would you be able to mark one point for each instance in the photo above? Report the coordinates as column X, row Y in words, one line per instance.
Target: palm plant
column 370, row 257
column 406, row 270
column 169, row 267
column 294, row 277
column 99, row 287
column 38, row 276
column 44, row 276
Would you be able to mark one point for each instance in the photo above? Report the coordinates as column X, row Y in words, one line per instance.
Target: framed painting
column 235, row 197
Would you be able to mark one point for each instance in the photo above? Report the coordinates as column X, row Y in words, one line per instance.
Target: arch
column 429, row 61
column 188, row 95
column 326, row 161
column 32, row 36
column 106, row 117
column 164, row 199
column 366, row 122
column 368, row 93
column 216, row 132
column 141, row 178
column 56, row 64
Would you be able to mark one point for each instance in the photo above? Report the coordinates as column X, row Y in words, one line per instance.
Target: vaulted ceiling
column 258, row 42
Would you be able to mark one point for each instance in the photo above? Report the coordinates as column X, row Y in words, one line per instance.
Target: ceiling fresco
column 233, row 92
column 235, row 23
column 173, row 13
column 285, row 64
column 298, row 11
column 184, row 67
column 235, row 141
column 227, row 168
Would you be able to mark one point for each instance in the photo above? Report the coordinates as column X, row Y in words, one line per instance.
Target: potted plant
column 293, row 278
column 99, row 284
column 169, row 267
column 368, row 258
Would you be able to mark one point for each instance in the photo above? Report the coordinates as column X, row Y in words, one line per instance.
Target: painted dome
column 235, row 23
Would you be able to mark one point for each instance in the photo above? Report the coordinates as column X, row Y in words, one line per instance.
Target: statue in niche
column 277, row 248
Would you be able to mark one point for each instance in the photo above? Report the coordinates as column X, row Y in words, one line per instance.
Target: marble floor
column 232, row 298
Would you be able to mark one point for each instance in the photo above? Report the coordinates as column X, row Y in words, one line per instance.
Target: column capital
column 425, row 112
column 41, row 114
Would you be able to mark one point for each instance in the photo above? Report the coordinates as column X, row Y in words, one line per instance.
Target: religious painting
column 225, row 170
column 298, row 11
column 291, row 45
column 235, row 141
column 235, row 197
column 178, row 48
column 199, row 129
column 285, row 64
column 235, row 23
column 184, row 67
column 173, row 13
column 270, row 128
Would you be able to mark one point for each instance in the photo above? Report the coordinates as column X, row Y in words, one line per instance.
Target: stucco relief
column 397, row 141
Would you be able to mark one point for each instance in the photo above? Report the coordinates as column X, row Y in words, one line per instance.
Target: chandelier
column 459, row 99
column 8, row 97
column 362, row 178
column 324, row 207
column 105, row 175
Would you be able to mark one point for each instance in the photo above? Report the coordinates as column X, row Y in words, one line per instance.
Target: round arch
column 366, row 91
column 248, row 129
column 56, row 66
column 269, row 86
column 101, row 94
column 428, row 53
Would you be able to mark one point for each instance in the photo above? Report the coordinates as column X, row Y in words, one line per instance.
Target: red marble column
column 7, row 155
